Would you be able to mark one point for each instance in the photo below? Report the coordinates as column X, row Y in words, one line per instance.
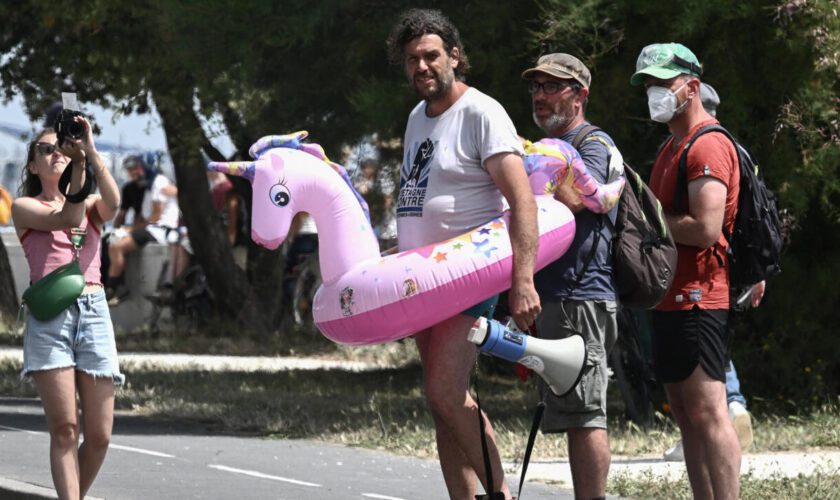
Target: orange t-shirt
column 702, row 275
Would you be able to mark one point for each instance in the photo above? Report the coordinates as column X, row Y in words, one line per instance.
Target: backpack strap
column 581, row 136
column 682, row 168
column 584, row 134
column 682, row 177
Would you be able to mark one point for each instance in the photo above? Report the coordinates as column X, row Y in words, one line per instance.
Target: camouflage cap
column 665, row 61
column 561, row 66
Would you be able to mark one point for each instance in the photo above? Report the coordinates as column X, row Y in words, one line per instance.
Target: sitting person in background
column 158, row 216
column 225, row 202
column 304, row 240
column 377, row 186
column 129, row 212
column 132, row 194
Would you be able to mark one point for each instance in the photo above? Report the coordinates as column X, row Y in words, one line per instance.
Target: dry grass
column 385, row 409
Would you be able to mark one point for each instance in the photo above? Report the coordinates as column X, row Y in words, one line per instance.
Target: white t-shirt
column 169, row 216
column 444, row 188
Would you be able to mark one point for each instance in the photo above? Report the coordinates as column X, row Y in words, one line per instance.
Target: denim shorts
column 483, row 308
column 82, row 336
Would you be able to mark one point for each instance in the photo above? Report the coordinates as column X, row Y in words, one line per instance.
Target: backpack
column 644, row 253
column 755, row 245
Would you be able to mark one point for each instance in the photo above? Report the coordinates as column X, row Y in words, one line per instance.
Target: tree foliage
column 274, row 67
column 775, row 66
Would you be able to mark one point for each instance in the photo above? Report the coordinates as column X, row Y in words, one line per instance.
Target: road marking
column 261, row 475
column 21, row 430
column 383, row 497
column 141, row 450
column 114, row 446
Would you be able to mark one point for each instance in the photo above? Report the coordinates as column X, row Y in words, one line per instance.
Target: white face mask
column 662, row 103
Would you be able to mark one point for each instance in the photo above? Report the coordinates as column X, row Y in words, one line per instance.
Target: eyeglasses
column 549, row 87
column 45, row 148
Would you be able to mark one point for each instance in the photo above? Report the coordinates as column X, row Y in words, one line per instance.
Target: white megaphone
column 559, row 362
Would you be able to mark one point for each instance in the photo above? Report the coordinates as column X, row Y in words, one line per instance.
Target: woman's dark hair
column 418, row 22
column 30, row 184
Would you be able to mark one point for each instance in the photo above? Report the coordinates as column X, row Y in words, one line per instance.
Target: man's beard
column 443, row 83
column 553, row 123
column 558, row 120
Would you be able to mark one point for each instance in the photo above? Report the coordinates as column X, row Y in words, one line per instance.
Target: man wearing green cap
column 690, row 336
column 577, row 290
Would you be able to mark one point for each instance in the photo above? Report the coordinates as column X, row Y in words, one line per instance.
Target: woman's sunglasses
column 45, row 148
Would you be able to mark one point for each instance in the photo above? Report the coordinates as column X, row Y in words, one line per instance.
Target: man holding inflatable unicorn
column 462, row 156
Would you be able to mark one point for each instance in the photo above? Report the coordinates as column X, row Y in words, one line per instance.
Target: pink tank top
column 47, row 250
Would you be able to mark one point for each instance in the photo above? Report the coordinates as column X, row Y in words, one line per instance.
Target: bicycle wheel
column 303, row 296
column 633, row 372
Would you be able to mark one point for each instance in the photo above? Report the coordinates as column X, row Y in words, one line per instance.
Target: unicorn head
column 287, row 177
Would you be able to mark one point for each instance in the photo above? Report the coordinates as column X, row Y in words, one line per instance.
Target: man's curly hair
column 418, row 22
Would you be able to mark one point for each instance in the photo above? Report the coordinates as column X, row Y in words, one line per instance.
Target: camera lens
column 75, row 129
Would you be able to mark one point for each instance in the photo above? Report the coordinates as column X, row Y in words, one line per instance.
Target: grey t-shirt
column 445, row 189
column 559, row 280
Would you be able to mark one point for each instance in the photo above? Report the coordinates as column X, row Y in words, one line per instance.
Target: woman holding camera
column 74, row 352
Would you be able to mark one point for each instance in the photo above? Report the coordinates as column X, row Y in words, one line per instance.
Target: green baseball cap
column 665, row 61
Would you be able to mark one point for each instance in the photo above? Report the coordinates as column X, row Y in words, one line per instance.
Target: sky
column 124, row 135
column 142, row 132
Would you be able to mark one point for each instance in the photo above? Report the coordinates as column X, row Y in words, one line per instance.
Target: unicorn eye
column 279, row 195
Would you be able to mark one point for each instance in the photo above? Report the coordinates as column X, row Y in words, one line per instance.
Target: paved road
column 152, row 459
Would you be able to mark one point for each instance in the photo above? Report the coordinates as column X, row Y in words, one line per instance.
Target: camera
column 66, row 126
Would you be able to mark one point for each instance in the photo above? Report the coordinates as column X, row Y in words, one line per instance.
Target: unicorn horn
column 245, row 169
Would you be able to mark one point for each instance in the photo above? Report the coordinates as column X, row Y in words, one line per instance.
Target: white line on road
column 20, row 430
column 114, row 446
column 261, row 475
column 141, row 450
column 383, row 497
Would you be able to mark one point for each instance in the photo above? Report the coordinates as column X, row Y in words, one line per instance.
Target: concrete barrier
column 142, row 272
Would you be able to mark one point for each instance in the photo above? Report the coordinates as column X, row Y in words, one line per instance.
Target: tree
column 122, row 56
column 775, row 66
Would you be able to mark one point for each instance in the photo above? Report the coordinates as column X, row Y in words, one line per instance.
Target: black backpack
column 644, row 253
column 755, row 245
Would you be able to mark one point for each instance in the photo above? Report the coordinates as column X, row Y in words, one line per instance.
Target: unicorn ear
column 292, row 140
column 246, row 169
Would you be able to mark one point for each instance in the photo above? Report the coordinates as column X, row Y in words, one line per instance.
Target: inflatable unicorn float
column 367, row 298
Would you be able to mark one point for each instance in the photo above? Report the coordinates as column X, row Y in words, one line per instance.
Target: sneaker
column 743, row 424
column 674, row 453
column 116, row 294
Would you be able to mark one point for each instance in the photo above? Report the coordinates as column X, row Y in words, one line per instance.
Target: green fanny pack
column 55, row 292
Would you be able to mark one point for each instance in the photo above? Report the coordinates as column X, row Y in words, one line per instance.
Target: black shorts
column 141, row 237
column 682, row 339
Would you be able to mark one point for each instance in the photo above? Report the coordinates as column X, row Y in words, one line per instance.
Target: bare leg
column 180, row 261
column 97, row 401
column 57, row 389
column 117, row 251
column 712, row 452
column 447, row 359
column 589, row 460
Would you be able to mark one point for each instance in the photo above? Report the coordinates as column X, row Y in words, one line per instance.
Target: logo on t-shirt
column 414, row 178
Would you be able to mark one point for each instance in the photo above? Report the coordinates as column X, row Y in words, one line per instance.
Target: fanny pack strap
column 77, row 239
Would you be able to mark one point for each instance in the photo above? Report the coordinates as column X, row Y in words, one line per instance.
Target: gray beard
column 552, row 123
